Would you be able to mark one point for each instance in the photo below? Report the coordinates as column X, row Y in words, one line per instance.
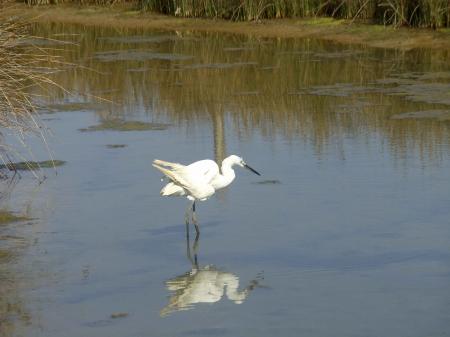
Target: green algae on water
column 32, row 165
column 121, row 125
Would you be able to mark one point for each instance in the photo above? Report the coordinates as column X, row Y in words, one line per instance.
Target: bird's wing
column 205, row 169
column 193, row 183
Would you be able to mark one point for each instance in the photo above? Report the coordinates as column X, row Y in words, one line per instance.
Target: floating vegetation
column 98, row 323
column 434, row 93
column 72, row 106
column 8, row 217
column 238, row 49
column 141, row 39
column 219, row 65
column 116, row 146
column 440, row 115
column 121, row 125
column 267, row 182
column 137, row 55
column 340, row 90
column 32, row 165
column 119, row 315
column 337, row 55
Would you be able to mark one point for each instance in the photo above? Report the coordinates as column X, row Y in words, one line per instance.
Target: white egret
column 199, row 180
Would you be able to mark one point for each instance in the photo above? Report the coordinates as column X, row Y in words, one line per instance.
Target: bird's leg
column 186, row 215
column 187, row 229
column 188, row 246
column 194, row 220
column 195, row 250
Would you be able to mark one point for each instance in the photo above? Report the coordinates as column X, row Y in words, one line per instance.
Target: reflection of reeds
column 260, row 84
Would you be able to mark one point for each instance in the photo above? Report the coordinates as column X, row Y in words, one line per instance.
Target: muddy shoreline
column 321, row 28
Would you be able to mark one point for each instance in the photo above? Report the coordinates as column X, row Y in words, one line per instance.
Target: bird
column 199, row 180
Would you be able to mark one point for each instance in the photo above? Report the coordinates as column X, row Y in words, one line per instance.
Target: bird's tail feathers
column 168, row 173
column 172, row 190
column 167, row 164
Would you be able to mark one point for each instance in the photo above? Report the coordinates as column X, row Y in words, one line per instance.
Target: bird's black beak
column 254, row 171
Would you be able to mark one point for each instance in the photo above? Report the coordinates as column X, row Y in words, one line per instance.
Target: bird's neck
column 227, row 176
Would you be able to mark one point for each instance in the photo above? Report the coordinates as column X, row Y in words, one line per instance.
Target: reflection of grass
column 282, row 71
column 32, row 165
column 121, row 125
column 8, row 217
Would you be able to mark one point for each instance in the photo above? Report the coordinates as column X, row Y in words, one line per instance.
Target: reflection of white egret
column 199, row 180
column 203, row 285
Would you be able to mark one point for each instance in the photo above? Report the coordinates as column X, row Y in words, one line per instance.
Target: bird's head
column 236, row 160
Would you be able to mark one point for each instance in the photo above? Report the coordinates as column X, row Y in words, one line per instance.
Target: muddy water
column 346, row 233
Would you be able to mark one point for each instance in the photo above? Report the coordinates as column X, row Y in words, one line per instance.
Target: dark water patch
column 116, row 146
column 137, row 55
column 32, row 165
column 121, row 125
column 440, row 115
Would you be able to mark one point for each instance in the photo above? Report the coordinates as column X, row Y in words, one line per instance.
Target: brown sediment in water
column 343, row 31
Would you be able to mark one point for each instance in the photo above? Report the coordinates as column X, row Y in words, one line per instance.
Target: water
column 346, row 233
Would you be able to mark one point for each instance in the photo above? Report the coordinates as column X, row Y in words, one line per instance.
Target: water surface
column 346, row 233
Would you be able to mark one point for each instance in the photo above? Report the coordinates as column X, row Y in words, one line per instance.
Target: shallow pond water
column 346, row 233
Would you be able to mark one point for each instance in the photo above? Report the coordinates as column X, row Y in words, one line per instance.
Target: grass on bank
column 413, row 13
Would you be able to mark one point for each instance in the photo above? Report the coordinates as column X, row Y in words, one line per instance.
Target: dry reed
column 21, row 72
